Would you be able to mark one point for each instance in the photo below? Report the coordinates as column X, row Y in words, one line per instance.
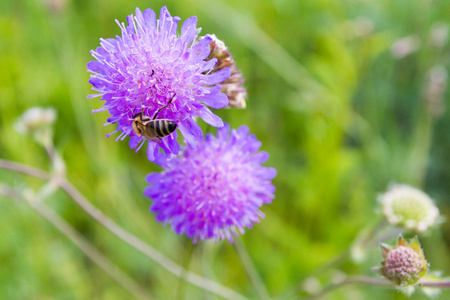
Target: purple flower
column 214, row 190
column 151, row 68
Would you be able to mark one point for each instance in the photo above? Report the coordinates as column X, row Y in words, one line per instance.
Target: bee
column 151, row 128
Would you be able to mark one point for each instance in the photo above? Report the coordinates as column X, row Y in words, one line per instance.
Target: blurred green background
column 346, row 96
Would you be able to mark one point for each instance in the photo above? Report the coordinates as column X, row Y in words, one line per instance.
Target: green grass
column 340, row 116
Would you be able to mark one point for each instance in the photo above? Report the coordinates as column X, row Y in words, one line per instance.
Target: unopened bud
column 435, row 90
column 405, row 46
column 439, row 34
column 403, row 264
column 38, row 122
column 35, row 118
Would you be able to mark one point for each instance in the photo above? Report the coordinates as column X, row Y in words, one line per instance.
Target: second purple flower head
column 151, row 73
column 213, row 191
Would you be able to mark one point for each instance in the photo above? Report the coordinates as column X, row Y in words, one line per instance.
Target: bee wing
column 148, row 131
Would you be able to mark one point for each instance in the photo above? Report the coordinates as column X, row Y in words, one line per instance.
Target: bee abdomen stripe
column 158, row 125
column 165, row 128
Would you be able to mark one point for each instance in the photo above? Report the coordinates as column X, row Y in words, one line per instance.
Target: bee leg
column 170, row 101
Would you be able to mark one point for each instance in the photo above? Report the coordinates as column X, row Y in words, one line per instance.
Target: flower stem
column 381, row 282
column 351, row 280
column 9, row 192
column 365, row 239
column 127, row 237
column 362, row 241
column 420, row 148
column 188, row 246
column 251, row 270
column 146, row 249
column 84, row 245
column 442, row 284
column 5, row 164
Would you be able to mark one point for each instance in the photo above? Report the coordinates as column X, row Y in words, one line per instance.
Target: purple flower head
column 150, row 69
column 215, row 190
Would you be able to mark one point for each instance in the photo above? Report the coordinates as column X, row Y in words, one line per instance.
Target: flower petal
column 151, row 151
column 209, row 117
column 150, row 19
column 218, row 100
column 191, row 131
column 94, row 66
column 201, row 49
column 218, row 76
column 189, row 30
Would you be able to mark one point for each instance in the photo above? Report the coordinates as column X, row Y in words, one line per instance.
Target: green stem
column 362, row 241
column 380, row 282
column 187, row 259
column 352, row 280
column 84, row 245
column 442, row 284
column 420, row 148
column 251, row 270
column 127, row 237
column 118, row 275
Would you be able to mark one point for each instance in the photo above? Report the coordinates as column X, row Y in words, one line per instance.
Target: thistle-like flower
column 215, row 190
column 409, row 207
column 233, row 85
column 152, row 71
column 403, row 264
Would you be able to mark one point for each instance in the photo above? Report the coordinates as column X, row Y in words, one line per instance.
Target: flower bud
column 403, row 264
column 439, row 34
column 35, row 118
column 232, row 86
column 409, row 207
column 405, row 46
column 435, row 90
column 38, row 122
